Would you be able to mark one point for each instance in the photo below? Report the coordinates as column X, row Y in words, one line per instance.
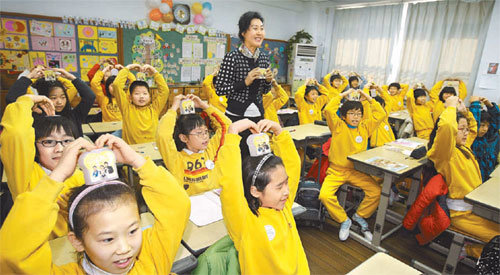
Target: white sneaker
column 344, row 229
column 368, row 235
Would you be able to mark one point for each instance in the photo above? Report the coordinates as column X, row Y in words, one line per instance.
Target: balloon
column 169, row 2
column 153, row 3
column 209, row 21
column 205, row 12
column 207, row 5
column 168, row 17
column 197, row 8
column 165, row 8
column 198, row 19
column 155, row 15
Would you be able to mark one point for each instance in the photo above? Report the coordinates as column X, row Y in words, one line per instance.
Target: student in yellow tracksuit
column 350, row 133
column 194, row 165
column 110, row 238
column 310, row 99
column 141, row 113
column 219, row 102
column 335, row 82
column 257, row 202
column 421, row 112
column 449, row 150
column 105, row 99
column 28, row 152
column 394, row 95
column 438, row 95
column 272, row 104
column 383, row 134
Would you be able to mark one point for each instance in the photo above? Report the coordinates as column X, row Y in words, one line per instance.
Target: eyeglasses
column 53, row 143
column 200, row 134
column 355, row 114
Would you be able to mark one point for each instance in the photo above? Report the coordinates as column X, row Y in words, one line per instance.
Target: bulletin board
column 276, row 51
column 31, row 40
column 180, row 57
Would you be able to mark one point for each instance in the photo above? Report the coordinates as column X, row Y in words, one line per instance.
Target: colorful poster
column 108, row 46
column 106, row 33
column 87, row 61
column 5, row 60
column 37, row 58
column 20, row 61
column 87, row 32
column 64, row 30
column 15, row 26
column 42, row 28
column 16, row 41
column 64, row 44
column 106, row 57
column 88, row 46
column 54, row 60
column 42, row 43
column 69, row 62
column 83, row 74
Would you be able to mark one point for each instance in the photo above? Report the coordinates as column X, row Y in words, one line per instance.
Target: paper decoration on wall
column 37, row 58
column 42, row 28
column 147, row 50
column 88, row 61
column 42, row 43
column 16, row 41
column 64, row 44
column 54, row 60
column 14, row 60
column 88, row 46
column 108, row 46
column 5, row 60
column 104, row 58
column 15, row 26
column 64, row 30
column 87, row 32
column 106, row 33
column 83, row 74
column 69, row 62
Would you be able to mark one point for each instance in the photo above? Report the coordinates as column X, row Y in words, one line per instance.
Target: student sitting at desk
column 104, row 220
column 257, row 199
column 273, row 101
column 421, row 111
column 486, row 146
column 350, row 135
column 140, row 113
column 439, row 94
column 310, row 99
column 449, row 151
column 394, row 95
column 383, row 134
column 335, row 82
column 194, row 165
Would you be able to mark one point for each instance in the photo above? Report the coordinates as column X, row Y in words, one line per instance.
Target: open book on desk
column 206, row 208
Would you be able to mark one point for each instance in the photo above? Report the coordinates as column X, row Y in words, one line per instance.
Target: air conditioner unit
column 302, row 65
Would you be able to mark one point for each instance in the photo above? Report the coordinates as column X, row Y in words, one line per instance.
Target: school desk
column 105, row 127
column 413, row 170
column 496, row 172
column 382, row 263
column 87, row 130
column 485, row 199
column 398, row 118
column 94, row 111
column 288, row 115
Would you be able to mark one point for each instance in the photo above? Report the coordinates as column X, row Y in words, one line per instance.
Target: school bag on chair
column 489, row 261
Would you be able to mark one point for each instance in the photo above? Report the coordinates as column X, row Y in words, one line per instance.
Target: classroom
column 249, row 137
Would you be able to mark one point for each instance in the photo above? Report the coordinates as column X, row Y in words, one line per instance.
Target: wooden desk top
column 87, row 130
column 94, row 111
column 496, row 173
column 300, row 132
column 400, row 115
column 382, row 263
column 392, row 153
column 105, row 127
column 486, row 194
column 147, row 150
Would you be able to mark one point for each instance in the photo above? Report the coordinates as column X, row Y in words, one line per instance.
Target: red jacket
column 429, row 211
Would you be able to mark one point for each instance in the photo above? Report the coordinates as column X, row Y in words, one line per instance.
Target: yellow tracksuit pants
column 335, row 178
column 482, row 228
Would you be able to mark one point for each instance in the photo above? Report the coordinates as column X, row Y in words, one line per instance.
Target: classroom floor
column 327, row 255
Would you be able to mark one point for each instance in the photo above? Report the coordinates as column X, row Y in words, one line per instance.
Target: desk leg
column 382, row 209
column 415, row 187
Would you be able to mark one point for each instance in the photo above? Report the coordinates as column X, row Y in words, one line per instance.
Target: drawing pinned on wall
column 69, row 62
column 64, row 44
column 37, row 58
column 5, row 60
column 54, row 60
column 87, row 32
column 87, row 61
column 15, row 26
column 16, row 42
column 42, row 43
column 14, row 60
column 64, row 30
column 42, row 28
column 88, row 46
column 83, row 74
column 106, row 33
column 108, row 46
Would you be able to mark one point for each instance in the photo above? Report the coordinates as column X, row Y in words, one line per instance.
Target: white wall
column 282, row 18
column 491, row 54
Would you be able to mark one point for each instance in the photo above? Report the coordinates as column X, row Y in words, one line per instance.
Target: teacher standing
column 244, row 75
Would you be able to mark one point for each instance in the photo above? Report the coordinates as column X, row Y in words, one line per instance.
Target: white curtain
column 444, row 39
column 362, row 40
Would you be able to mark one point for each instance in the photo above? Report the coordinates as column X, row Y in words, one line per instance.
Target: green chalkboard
column 164, row 51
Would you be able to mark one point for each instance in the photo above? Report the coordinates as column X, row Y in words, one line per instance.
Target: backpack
column 308, row 197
